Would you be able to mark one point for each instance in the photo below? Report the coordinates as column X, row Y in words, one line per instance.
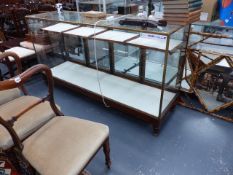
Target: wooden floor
column 135, row 95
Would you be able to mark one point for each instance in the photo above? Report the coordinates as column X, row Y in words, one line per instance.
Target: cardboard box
column 210, row 7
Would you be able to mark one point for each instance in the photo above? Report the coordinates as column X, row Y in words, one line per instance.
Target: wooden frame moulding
column 195, row 73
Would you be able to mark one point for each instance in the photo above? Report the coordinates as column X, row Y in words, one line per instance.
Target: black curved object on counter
column 143, row 22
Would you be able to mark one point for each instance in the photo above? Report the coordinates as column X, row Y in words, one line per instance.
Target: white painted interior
column 59, row 27
column 85, row 31
column 135, row 95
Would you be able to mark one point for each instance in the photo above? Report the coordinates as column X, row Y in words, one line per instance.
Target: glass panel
column 78, row 18
column 126, row 59
column 109, row 6
column 212, row 44
column 172, row 74
column 169, row 73
column 50, row 53
column 101, row 55
column 116, row 23
column 214, row 85
column 154, row 66
column 49, row 46
column 213, row 24
column 74, row 48
column 175, row 58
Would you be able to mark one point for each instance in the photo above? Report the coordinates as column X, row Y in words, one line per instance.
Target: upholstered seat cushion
column 8, row 95
column 64, row 145
column 37, row 47
column 21, row 52
column 28, row 122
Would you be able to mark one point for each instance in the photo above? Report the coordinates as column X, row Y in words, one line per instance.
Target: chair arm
column 21, row 79
column 5, row 55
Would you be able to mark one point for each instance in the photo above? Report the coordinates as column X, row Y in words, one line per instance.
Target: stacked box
column 182, row 12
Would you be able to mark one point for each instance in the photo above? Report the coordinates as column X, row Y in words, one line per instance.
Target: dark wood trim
column 86, row 51
column 142, row 65
column 111, row 57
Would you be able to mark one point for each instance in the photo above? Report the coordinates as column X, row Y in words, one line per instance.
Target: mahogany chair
column 20, row 21
column 64, row 145
column 16, row 102
column 9, row 95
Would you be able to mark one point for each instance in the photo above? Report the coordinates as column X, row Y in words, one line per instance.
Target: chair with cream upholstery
column 40, row 43
column 64, row 145
column 23, row 53
column 13, row 103
column 8, row 95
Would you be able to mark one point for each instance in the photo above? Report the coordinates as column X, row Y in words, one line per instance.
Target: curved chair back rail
column 5, row 57
column 24, row 150
column 20, row 80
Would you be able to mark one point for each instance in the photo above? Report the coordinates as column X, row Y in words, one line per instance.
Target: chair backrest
column 20, row 21
column 39, row 38
column 5, row 56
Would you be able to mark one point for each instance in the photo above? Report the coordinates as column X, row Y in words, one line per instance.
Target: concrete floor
column 190, row 143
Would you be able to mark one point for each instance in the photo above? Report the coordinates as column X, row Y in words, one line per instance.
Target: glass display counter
column 209, row 69
column 132, row 68
column 108, row 6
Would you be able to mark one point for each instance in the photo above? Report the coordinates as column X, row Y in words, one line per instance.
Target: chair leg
column 106, row 149
column 10, row 68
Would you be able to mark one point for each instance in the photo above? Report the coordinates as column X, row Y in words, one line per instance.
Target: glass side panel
column 100, row 55
column 126, row 59
column 74, row 48
column 109, row 6
column 79, row 18
column 155, row 67
column 211, row 44
column 116, row 23
column 52, row 53
column 213, row 24
column 49, row 47
column 172, row 74
column 176, row 58
column 35, row 25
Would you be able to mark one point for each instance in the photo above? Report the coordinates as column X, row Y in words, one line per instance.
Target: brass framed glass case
column 132, row 68
column 209, row 68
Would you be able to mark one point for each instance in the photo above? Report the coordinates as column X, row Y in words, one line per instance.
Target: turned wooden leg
column 106, row 149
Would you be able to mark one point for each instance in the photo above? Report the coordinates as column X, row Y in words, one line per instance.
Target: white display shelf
column 132, row 94
column 155, row 43
column 60, row 27
column 85, row 31
column 116, row 36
